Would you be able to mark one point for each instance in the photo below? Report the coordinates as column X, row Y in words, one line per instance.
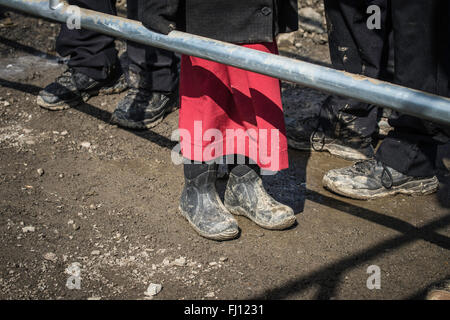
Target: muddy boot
column 371, row 179
column 201, row 206
column 341, row 127
column 142, row 108
column 245, row 196
column 308, row 135
column 72, row 88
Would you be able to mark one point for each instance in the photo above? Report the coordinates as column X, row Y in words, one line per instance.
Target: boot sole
column 223, row 236
column 58, row 106
column 336, row 150
column 238, row 211
column 412, row 188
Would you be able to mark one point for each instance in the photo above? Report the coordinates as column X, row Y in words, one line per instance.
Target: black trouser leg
column 158, row 67
column 421, row 36
column 356, row 49
column 90, row 52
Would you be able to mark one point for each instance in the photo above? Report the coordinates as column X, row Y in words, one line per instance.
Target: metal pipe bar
column 54, row 4
column 413, row 102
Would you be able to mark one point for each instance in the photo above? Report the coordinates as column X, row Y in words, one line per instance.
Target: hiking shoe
column 245, row 196
column 371, row 179
column 143, row 109
column 72, row 88
column 308, row 135
column 200, row 204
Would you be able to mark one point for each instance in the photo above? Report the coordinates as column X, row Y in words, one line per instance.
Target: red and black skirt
column 229, row 111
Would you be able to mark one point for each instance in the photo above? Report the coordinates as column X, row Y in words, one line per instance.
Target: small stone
column 166, row 262
column 40, row 172
column 210, row 295
column 181, row 262
column 64, row 133
column 223, row 259
column 30, row 142
column 286, row 39
column 50, row 256
column 28, row 229
column 212, row 264
column 153, row 289
column 95, row 253
column 85, row 144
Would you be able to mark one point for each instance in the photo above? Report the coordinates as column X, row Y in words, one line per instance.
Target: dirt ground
column 75, row 189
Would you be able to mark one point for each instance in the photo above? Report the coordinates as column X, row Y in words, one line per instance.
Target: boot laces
column 386, row 172
column 365, row 166
column 66, row 77
column 319, row 129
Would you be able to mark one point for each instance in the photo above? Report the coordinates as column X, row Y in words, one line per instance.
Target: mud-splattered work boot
column 143, row 108
column 371, row 179
column 245, row 196
column 73, row 87
column 200, row 204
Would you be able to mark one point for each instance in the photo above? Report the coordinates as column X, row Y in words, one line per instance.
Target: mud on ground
column 75, row 189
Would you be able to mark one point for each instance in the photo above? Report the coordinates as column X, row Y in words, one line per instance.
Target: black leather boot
column 143, row 108
column 200, row 204
column 73, row 87
column 245, row 196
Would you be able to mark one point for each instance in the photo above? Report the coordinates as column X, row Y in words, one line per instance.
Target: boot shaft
column 201, row 176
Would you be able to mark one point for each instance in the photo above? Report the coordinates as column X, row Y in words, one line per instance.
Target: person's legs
column 411, row 147
column 90, row 52
column 93, row 64
column 345, row 126
column 158, row 67
column 227, row 111
column 406, row 158
column 152, row 76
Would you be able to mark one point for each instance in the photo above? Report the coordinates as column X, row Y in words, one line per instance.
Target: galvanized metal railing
column 402, row 99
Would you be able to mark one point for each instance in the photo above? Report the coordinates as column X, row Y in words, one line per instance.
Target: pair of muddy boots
column 141, row 108
column 245, row 196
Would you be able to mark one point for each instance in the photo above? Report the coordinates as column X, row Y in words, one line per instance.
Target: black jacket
column 237, row 21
